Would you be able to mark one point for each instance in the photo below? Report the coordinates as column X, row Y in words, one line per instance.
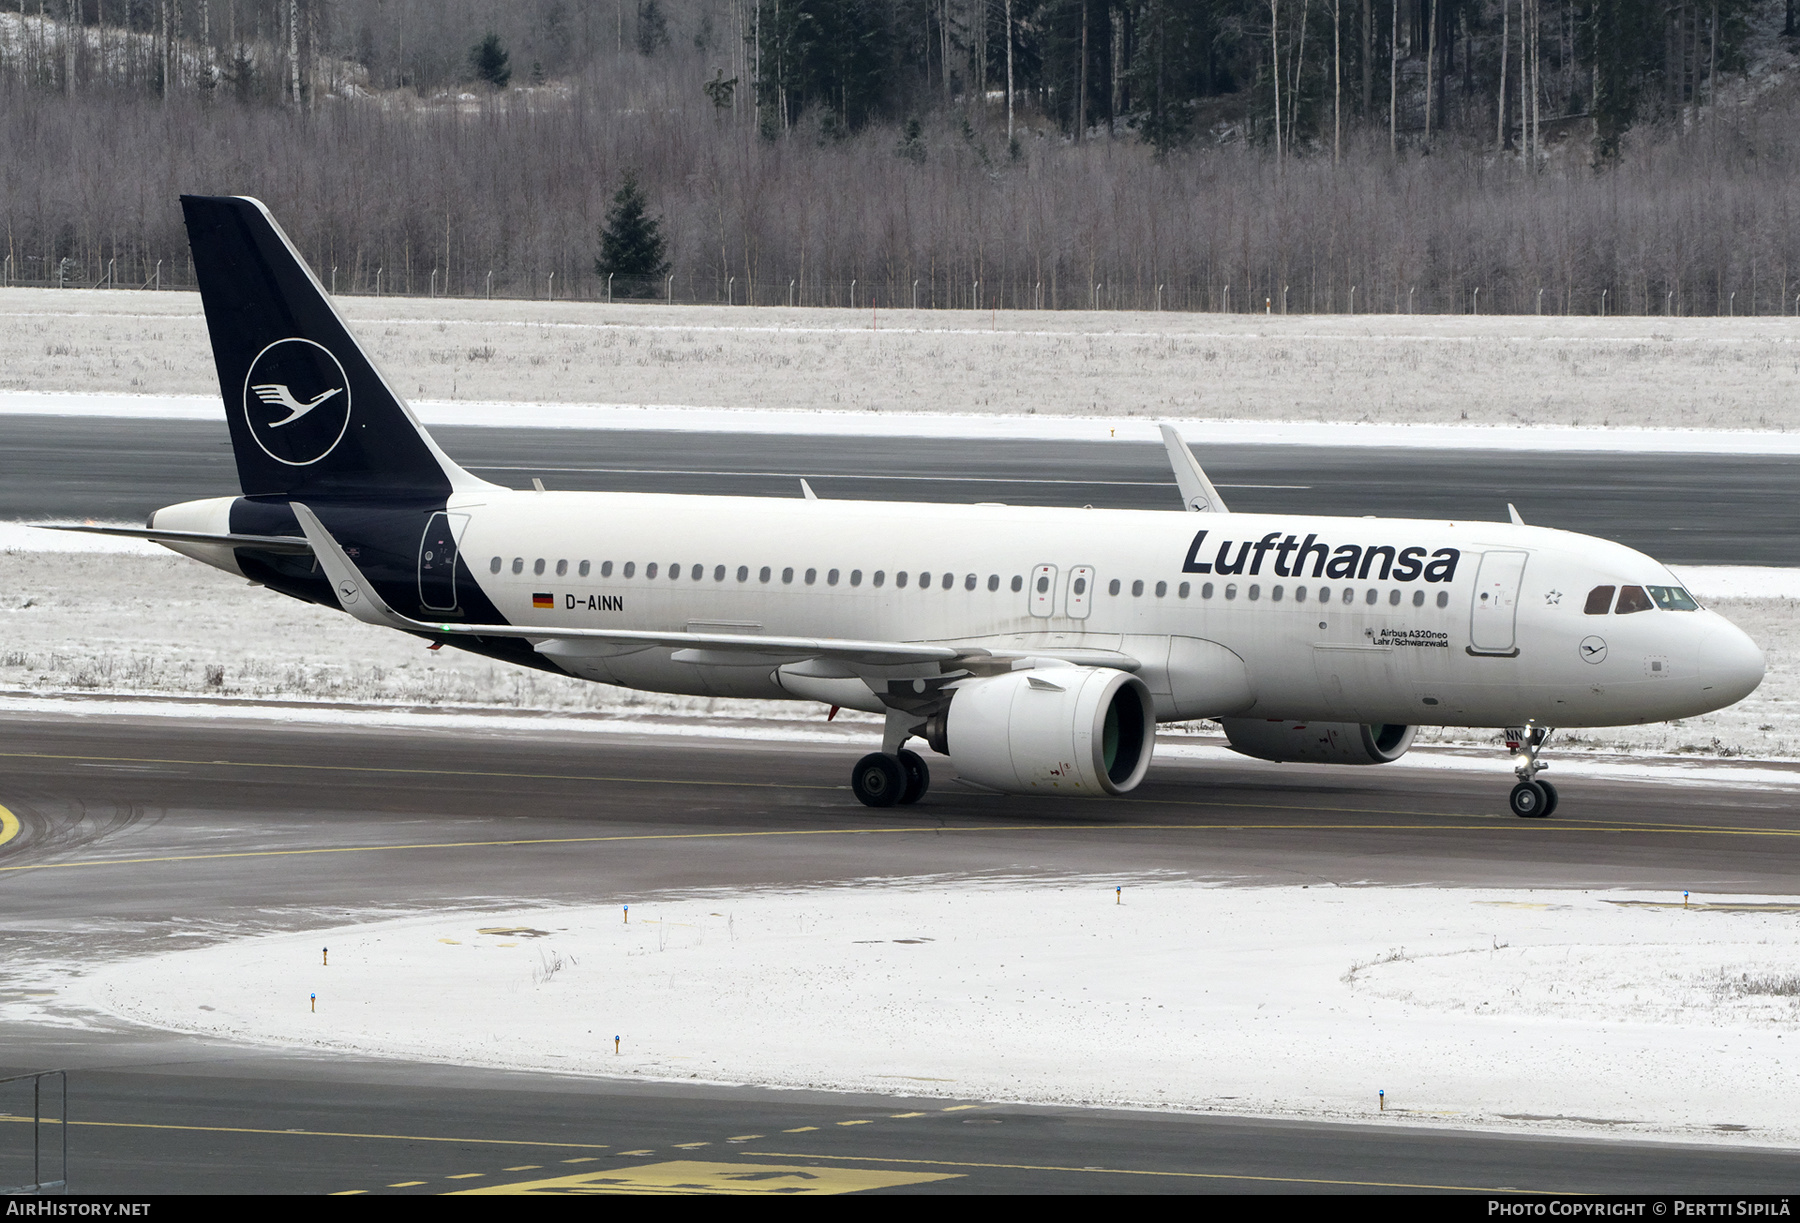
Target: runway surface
column 145, row 834
column 1682, row 509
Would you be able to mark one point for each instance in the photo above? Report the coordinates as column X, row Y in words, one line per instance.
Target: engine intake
column 1318, row 742
column 1085, row 731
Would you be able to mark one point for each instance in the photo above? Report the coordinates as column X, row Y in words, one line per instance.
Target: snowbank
column 684, row 418
column 1612, row 1013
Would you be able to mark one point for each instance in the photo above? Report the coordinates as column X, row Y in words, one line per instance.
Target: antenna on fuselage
column 1197, row 492
column 1513, row 514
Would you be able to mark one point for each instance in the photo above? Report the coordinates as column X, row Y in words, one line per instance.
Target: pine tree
column 632, row 246
column 491, row 62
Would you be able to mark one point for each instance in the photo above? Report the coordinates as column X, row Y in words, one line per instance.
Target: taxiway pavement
column 149, row 834
column 1679, row 508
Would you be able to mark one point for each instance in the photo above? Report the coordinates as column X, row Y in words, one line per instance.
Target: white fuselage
column 1494, row 636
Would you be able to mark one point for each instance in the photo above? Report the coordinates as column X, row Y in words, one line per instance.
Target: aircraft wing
column 1197, row 492
column 290, row 544
column 358, row 597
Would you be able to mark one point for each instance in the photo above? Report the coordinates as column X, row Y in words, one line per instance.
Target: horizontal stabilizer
column 1197, row 492
column 292, row 545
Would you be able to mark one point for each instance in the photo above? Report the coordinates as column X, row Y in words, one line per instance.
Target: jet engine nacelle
column 1318, row 742
column 1084, row 731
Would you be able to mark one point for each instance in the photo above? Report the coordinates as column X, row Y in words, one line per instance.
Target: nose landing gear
column 1531, row 798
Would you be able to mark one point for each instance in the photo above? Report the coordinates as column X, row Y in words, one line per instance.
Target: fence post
column 853, row 292
column 159, row 275
column 790, row 291
column 609, row 279
column 731, row 291
column 490, row 283
column 550, row 289
column 916, row 295
column 669, row 291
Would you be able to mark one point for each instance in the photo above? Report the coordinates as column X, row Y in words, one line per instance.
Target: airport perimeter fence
column 958, row 294
column 32, row 1143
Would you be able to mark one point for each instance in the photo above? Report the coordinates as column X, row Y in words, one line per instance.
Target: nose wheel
column 1531, row 799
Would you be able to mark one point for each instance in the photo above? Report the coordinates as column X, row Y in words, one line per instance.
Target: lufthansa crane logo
column 296, row 401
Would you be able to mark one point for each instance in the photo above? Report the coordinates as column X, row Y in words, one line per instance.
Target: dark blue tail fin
column 309, row 412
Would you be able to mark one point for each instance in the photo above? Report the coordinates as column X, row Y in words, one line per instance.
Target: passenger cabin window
column 718, row 573
column 562, row 568
column 743, row 573
column 762, row 575
column 831, row 577
column 605, row 569
column 518, row 564
column 1018, row 584
column 900, row 579
column 787, row 576
column 856, row 577
column 586, row 566
column 649, row 570
column 1137, row 589
column 1112, row 587
column 1672, row 598
column 494, row 565
column 699, row 572
column 1443, row 599
column 629, row 569
column 1632, row 599
column 993, row 581
column 538, row 566
column 1599, row 601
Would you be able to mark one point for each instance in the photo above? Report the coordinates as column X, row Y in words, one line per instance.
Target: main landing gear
column 893, row 776
column 881, row 780
column 1531, row 799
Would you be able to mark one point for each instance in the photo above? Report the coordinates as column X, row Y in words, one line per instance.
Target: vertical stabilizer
column 309, row 412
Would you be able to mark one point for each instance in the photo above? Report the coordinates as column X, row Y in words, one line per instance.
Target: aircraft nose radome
column 1731, row 666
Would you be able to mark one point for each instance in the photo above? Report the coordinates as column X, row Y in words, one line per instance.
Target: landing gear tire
column 879, row 780
column 918, row 777
column 1549, row 797
column 1529, row 800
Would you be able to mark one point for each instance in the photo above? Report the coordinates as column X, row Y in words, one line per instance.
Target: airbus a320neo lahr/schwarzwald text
column 1036, row 647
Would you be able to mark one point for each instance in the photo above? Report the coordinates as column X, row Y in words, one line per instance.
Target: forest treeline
column 1308, row 155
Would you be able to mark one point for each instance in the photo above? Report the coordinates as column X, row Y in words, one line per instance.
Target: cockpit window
column 1632, row 599
column 1672, row 598
column 1599, row 600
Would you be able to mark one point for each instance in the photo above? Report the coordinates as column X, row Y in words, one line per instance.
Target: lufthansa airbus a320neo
column 1037, row 648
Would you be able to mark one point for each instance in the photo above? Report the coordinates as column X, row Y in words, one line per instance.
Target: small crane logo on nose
column 1593, row 649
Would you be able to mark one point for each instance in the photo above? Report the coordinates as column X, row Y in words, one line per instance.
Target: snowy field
column 1612, row 1013
column 1523, row 371
column 125, row 618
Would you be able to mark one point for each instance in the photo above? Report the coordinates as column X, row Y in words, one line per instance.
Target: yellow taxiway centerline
column 241, row 1129
column 9, row 825
column 1205, row 1176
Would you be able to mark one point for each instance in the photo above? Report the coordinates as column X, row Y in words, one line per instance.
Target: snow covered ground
column 1523, row 371
column 93, row 616
column 1603, row 1013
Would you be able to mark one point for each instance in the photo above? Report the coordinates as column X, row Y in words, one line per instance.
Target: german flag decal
column 542, row 600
